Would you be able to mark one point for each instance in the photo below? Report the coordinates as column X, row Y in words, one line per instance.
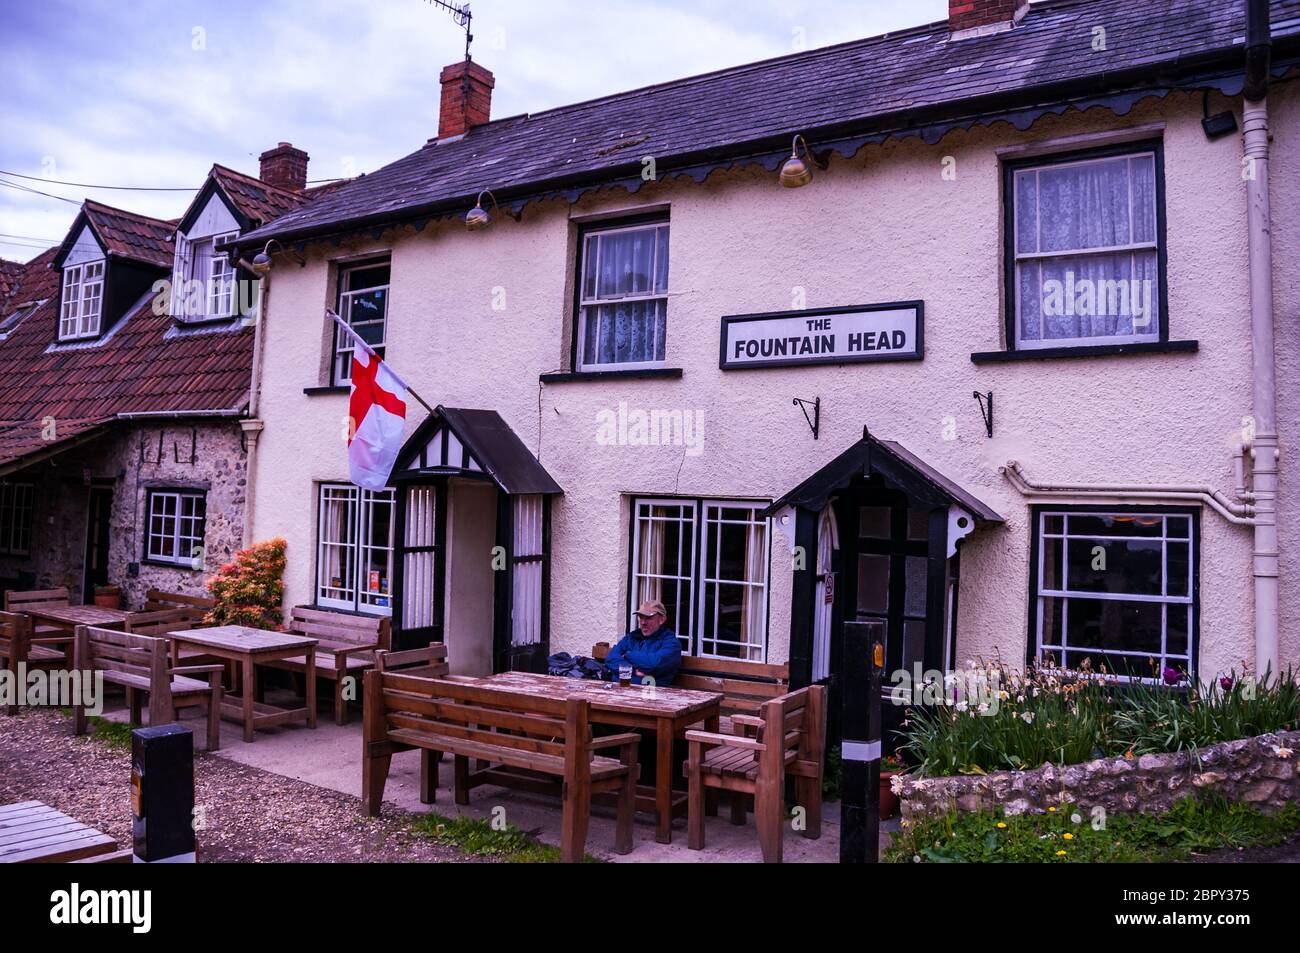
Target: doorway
column 99, row 509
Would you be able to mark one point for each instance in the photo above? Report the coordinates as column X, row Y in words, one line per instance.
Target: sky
column 151, row 93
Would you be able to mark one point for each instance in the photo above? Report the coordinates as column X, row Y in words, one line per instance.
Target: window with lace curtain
column 707, row 561
column 1085, row 248
column 622, row 296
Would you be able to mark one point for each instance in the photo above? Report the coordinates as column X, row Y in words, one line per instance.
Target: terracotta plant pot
column 888, row 799
column 109, row 600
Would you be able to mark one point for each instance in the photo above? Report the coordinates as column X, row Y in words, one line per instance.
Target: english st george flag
column 377, row 409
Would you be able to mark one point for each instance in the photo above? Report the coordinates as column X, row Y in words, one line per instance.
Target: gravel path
column 250, row 815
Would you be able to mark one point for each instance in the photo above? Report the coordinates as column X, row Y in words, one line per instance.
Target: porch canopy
column 475, row 444
column 898, row 467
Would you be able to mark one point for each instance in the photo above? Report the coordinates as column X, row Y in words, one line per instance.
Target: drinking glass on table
column 624, row 675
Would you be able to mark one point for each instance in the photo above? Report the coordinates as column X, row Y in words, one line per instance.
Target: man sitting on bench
column 651, row 650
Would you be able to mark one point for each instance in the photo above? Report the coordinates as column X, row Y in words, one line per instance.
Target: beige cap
column 652, row 607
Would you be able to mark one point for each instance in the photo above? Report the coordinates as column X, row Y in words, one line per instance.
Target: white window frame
column 17, row 509
column 584, row 302
column 696, row 584
column 361, row 505
column 187, row 549
column 220, row 298
column 82, row 300
column 341, row 367
column 1153, row 333
column 1059, row 647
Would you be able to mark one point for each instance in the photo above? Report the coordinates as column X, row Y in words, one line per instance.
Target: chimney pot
column 284, row 166
column 980, row 17
column 466, row 98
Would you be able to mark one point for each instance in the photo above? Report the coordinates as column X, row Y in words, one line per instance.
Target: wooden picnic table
column 667, row 712
column 69, row 617
column 250, row 648
column 32, row 832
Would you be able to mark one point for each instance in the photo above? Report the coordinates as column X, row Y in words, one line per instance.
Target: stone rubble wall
column 1257, row 771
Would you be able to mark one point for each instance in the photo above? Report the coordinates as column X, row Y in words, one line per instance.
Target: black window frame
column 342, row 268
column 187, row 562
column 1010, row 287
column 660, row 217
column 1036, row 512
column 7, row 509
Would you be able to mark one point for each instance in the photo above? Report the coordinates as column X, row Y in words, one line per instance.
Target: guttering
column 1242, row 514
column 1264, row 450
column 178, row 414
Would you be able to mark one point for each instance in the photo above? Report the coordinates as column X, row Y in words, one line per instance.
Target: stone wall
column 1259, row 771
column 132, row 459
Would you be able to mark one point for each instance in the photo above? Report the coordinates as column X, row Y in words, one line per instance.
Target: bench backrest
column 428, row 662
column 15, row 637
column 160, row 622
column 195, row 608
column 536, row 725
column 797, row 722
column 17, row 601
column 126, row 658
column 339, row 629
column 744, row 685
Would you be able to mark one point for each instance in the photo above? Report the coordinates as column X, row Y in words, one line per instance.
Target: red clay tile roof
column 33, row 438
column 128, row 235
column 11, row 273
column 137, row 367
column 258, row 200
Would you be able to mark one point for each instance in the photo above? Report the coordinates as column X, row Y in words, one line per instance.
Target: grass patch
column 477, row 837
column 1067, row 835
column 113, row 734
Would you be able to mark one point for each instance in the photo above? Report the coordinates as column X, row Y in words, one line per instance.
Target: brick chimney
column 284, row 166
column 980, row 17
column 466, row 98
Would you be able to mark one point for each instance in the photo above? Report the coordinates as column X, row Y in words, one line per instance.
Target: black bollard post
column 162, row 794
column 863, row 655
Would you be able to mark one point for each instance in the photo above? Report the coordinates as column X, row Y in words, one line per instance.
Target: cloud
column 152, row 93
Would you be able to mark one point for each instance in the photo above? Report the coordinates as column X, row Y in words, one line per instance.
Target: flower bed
column 1260, row 771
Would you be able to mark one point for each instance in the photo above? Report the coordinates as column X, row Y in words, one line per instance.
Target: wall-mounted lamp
column 478, row 218
column 797, row 172
column 261, row 263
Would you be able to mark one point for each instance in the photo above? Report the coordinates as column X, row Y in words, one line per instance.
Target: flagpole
column 360, row 342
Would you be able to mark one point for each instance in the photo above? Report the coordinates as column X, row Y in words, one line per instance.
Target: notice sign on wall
column 872, row 332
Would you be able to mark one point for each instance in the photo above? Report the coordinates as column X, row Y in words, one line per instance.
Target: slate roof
column 896, row 81
column 137, row 367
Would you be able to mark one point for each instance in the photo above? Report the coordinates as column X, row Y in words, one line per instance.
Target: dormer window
column 205, row 281
column 82, row 302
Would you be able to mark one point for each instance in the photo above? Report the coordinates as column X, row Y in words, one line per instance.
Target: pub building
column 783, row 346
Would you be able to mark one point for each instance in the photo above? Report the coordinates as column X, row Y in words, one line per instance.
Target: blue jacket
column 658, row 656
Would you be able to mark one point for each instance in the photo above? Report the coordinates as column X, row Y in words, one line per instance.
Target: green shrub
column 1070, row 835
column 1062, row 717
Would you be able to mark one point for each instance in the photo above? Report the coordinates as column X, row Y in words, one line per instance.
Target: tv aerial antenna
column 464, row 19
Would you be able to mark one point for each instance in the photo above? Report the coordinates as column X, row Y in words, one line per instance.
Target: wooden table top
column 241, row 638
column 33, row 832
column 659, row 701
column 78, row 615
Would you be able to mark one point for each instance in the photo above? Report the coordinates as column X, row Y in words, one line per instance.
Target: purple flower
column 1172, row 676
column 1226, row 683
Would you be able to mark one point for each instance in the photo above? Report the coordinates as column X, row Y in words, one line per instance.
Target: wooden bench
column 512, row 738
column 789, row 739
column 18, row 645
column 138, row 663
column 346, row 647
column 21, row 601
column 746, row 686
column 195, row 608
column 428, row 662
